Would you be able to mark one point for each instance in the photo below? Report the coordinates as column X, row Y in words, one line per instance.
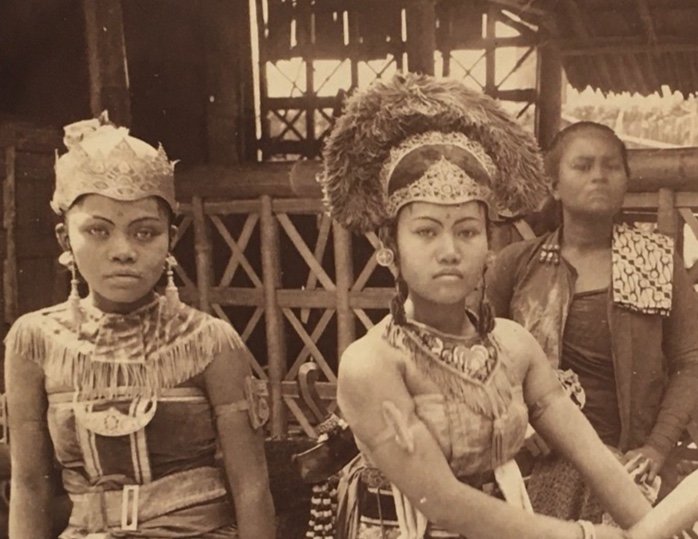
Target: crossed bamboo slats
column 338, row 300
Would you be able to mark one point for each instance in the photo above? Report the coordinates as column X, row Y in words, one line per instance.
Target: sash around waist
column 376, row 501
column 97, row 509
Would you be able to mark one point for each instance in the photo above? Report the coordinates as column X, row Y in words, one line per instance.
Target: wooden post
column 490, row 52
column 106, row 55
column 346, row 332
column 229, row 97
column 667, row 217
column 9, row 223
column 276, row 344
column 202, row 248
column 421, row 36
column 549, row 85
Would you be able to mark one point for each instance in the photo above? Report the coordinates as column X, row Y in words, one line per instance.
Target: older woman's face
column 442, row 250
column 591, row 177
column 119, row 247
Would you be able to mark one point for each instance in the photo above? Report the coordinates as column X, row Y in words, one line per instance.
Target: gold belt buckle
column 129, row 508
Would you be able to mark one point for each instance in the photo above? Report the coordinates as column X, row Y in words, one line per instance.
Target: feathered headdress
column 420, row 138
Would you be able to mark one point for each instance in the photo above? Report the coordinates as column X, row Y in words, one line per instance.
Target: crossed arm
column 423, row 475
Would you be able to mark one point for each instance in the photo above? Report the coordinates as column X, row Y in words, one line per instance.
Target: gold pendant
column 112, row 422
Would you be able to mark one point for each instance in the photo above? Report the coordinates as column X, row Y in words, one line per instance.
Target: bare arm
column 30, row 449
column 565, row 428
column 680, row 344
column 242, row 446
column 365, row 384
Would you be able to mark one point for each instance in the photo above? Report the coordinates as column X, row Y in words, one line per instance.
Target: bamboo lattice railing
column 329, row 282
column 332, row 285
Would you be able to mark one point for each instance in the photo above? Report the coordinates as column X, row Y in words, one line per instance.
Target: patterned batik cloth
column 643, row 266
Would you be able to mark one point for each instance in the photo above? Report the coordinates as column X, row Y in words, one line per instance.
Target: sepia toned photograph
column 349, row 269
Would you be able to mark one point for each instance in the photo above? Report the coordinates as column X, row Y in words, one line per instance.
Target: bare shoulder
column 366, row 363
column 369, row 373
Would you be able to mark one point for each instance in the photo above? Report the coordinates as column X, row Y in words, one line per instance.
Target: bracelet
column 588, row 530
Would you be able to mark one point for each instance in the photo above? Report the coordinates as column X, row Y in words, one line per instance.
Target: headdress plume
column 379, row 119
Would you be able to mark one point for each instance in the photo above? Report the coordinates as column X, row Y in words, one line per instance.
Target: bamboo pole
column 490, row 51
column 106, row 55
column 202, row 248
column 276, row 344
column 675, row 168
column 9, row 223
column 344, row 269
column 421, row 36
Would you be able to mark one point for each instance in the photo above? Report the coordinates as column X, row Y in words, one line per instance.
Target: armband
column 538, row 408
column 254, row 403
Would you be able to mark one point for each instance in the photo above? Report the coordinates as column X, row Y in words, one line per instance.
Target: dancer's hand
column 644, row 461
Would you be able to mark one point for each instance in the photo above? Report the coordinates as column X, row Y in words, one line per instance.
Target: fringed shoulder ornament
column 120, row 356
column 469, row 372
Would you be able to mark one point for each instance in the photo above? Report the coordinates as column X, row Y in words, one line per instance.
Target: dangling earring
column 397, row 304
column 172, row 300
column 485, row 315
column 68, row 260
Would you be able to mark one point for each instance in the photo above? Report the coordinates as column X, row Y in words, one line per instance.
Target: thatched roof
column 622, row 45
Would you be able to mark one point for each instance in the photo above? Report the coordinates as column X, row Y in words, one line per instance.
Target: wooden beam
column 523, row 29
column 594, row 47
column 274, row 324
column 9, row 225
column 222, row 20
column 675, row 168
column 549, row 84
column 421, row 35
column 522, row 8
column 646, row 20
column 106, row 57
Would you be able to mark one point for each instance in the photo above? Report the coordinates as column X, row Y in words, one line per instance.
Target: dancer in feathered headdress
column 437, row 394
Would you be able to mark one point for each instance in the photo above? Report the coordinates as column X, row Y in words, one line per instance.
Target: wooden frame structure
column 316, row 292
column 350, row 42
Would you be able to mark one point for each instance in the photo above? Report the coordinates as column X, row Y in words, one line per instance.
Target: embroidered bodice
column 478, row 416
column 117, row 384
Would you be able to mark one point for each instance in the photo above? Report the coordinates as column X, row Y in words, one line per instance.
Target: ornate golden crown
column 104, row 159
column 443, row 182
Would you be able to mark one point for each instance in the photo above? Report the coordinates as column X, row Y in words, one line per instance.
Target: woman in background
column 613, row 310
